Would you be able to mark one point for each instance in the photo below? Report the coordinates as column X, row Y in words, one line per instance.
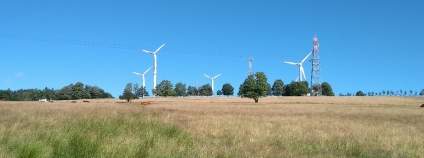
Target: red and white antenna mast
column 316, row 89
column 250, row 59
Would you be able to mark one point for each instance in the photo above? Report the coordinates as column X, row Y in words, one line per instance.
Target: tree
column 128, row 94
column 219, row 93
column 360, row 93
column 269, row 90
column 278, row 88
column 78, row 91
column 64, row 93
column 180, row 89
column 165, row 89
column 140, row 91
column 327, row 90
column 297, row 88
column 206, row 90
column 255, row 86
column 94, row 91
column 191, row 91
column 227, row 89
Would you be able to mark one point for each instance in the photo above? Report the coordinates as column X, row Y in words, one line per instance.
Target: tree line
column 166, row 89
column 401, row 93
column 247, row 89
column 70, row 92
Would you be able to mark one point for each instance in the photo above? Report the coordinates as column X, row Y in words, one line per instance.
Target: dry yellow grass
column 274, row 127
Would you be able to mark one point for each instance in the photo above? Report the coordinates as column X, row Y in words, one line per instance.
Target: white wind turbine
column 212, row 79
column 301, row 71
column 144, row 84
column 155, row 65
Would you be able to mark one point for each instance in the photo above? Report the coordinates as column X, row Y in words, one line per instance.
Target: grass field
column 215, row 127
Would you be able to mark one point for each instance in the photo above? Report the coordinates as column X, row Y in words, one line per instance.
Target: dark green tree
column 95, row 92
column 65, row 93
column 327, row 90
column 255, row 86
column 219, row 93
column 180, row 89
column 227, row 89
column 298, row 88
column 128, row 95
column 269, row 90
column 278, row 88
column 165, row 89
column 360, row 93
column 206, row 90
column 78, row 91
column 191, row 91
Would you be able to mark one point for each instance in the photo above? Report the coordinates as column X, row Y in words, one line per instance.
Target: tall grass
column 131, row 135
column 234, row 127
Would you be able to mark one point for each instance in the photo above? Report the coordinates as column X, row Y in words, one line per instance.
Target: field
column 215, row 127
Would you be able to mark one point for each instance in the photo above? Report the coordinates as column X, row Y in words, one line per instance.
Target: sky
column 364, row 45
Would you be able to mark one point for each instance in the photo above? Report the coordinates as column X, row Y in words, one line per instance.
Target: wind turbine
column 301, row 71
column 144, row 84
column 155, row 65
column 212, row 78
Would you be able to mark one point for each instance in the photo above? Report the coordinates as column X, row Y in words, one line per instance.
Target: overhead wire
column 137, row 48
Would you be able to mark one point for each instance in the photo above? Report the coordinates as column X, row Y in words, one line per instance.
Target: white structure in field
column 142, row 75
column 155, row 65
column 301, row 71
column 212, row 79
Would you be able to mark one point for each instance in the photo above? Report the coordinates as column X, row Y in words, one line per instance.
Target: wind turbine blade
column 306, row 57
column 297, row 79
column 304, row 76
column 147, row 70
column 146, row 51
column 136, row 73
column 291, row 63
column 207, row 76
column 159, row 48
column 216, row 76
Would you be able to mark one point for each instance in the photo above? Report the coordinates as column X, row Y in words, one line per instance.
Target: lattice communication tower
column 250, row 65
column 316, row 89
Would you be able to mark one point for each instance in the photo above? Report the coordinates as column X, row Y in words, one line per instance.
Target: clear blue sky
column 364, row 45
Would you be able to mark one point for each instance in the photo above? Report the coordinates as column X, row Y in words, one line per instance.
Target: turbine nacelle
column 301, row 71
column 155, row 52
column 212, row 79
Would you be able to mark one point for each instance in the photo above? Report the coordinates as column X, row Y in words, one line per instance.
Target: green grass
column 136, row 135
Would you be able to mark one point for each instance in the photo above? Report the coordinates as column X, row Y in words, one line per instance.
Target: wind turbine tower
column 250, row 65
column 316, row 89
column 144, row 84
column 154, row 65
column 212, row 79
column 197, row 87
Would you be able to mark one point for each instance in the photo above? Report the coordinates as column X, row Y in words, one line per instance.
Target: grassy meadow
column 215, row 127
